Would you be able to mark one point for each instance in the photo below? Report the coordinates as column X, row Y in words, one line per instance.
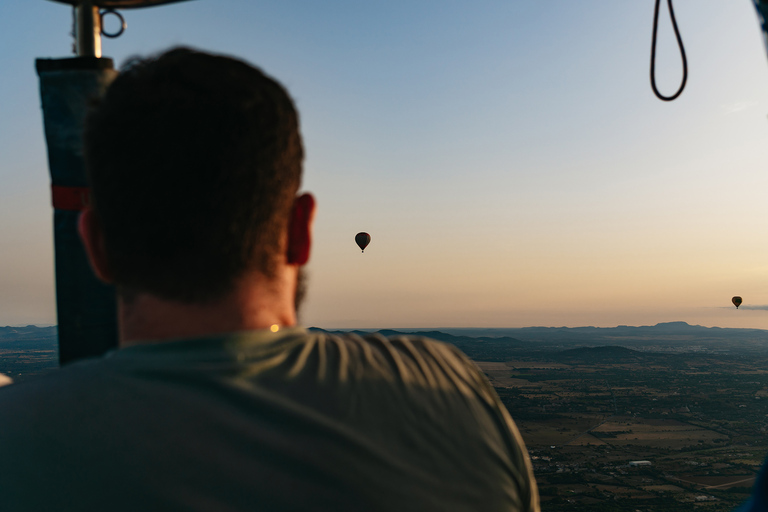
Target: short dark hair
column 194, row 161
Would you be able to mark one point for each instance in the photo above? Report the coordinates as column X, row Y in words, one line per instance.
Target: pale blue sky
column 507, row 157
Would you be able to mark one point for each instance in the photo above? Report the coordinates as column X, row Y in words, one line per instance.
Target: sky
column 508, row 158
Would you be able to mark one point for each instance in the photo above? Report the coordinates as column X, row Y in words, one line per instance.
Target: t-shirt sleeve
column 516, row 446
column 467, row 376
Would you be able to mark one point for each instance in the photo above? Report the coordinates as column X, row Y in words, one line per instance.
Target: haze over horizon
column 447, row 328
column 508, row 158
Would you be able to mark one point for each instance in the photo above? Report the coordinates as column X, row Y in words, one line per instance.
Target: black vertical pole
column 86, row 308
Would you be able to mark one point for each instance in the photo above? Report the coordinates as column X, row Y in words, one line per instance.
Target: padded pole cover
column 86, row 307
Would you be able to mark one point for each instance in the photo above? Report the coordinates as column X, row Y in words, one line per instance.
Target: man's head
column 194, row 162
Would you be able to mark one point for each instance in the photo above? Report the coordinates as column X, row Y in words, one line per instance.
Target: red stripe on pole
column 74, row 199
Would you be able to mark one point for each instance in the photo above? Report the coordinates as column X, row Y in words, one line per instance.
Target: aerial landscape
column 497, row 169
column 670, row 417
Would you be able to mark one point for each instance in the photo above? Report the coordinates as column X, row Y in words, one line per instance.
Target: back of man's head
column 194, row 161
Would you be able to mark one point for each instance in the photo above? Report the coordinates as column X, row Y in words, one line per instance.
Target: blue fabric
column 86, row 308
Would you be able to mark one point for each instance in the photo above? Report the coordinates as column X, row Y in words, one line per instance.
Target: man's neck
column 256, row 303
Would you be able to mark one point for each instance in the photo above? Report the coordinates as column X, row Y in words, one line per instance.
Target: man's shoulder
column 412, row 359
column 419, row 411
column 418, row 353
column 410, row 364
column 397, row 341
column 388, row 342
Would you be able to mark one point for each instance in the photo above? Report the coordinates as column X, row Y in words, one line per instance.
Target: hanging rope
column 653, row 53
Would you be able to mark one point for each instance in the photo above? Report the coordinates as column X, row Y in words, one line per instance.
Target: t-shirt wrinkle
column 322, row 363
column 343, row 362
column 425, row 369
column 301, row 360
column 372, row 359
column 403, row 374
column 275, row 422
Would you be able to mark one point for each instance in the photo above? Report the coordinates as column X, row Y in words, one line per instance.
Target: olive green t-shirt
column 261, row 421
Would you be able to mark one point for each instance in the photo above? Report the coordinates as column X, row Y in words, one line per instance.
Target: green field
column 701, row 425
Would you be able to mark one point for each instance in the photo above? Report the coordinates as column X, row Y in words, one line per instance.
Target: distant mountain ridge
column 662, row 337
column 676, row 342
column 668, row 336
column 27, row 332
column 664, row 327
column 676, row 328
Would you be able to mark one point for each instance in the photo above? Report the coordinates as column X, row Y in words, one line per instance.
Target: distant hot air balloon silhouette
column 736, row 301
column 362, row 240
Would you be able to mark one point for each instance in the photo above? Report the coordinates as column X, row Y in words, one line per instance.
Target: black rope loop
column 653, row 53
column 123, row 25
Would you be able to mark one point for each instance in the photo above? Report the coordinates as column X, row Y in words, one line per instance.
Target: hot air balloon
column 362, row 240
column 736, row 301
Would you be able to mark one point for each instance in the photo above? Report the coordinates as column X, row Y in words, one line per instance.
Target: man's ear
column 89, row 229
column 300, row 230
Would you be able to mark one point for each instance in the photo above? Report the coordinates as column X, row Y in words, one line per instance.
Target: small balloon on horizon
column 736, row 301
column 362, row 240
